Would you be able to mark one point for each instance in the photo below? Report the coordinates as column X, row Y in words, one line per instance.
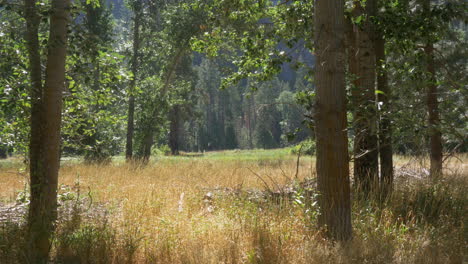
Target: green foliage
column 292, row 128
column 14, row 85
column 408, row 30
column 151, row 111
column 306, row 147
column 96, row 76
column 161, row 150
column 251, row 31
column 244, row 45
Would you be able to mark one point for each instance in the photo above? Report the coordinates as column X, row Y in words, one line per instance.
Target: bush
column 161, row 150
column 306, row 147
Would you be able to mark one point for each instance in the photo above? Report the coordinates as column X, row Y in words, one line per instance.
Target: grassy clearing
column 209, row 209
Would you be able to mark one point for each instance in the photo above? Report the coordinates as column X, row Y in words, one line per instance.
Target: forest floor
column 236, row 207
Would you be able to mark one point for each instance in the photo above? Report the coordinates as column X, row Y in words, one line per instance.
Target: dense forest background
column 188, row 111
column 195, row 115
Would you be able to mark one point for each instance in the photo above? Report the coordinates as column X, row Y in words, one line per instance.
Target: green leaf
column 379, row 92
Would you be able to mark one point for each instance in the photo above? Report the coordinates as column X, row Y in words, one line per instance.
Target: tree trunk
column 435, row 136
column 363, row 99
column 385, row 129
column 131, row 99
column 174, row 131
column 3, row 152
column 146, row 145
column 252, row 121
column 248, row 123
column 222, row 119
column 332, row 142
column 44, row 174
column 32, row 42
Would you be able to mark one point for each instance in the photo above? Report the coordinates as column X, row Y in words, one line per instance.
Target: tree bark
column 44, row 172
column 332, row 142
column 131, row 99
column 363, row 99
column 32, row 43
column 435, row 136
column 385, row 129
column 174, row 131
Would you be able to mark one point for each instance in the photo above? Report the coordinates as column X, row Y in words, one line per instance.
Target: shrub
column 306, row 147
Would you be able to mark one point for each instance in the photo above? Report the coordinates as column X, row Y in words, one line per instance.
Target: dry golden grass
column 158, row 214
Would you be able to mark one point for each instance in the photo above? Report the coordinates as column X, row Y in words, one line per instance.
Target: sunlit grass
column 160, row 214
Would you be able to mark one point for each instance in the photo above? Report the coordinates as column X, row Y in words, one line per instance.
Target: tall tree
column 32, row 41
column 363, row 98
column 174, row 36
column 385, row 129
column 45, row 126
column 435, row 136
column 330, row 130
column 137, row 12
